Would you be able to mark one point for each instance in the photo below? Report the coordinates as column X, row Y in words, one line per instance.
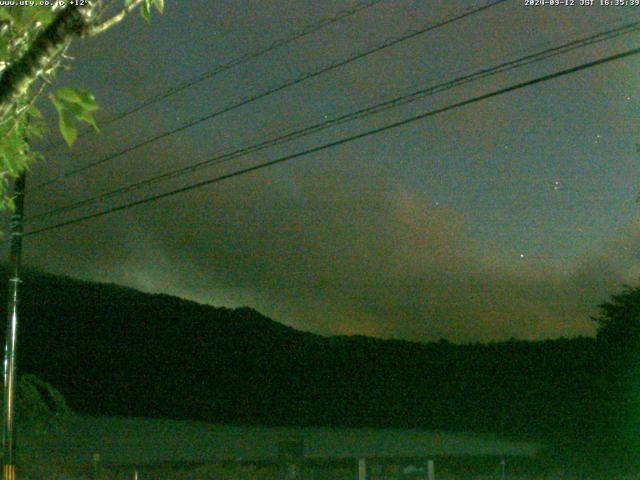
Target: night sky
column 513, row 217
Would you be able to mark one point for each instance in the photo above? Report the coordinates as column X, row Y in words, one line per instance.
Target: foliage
column 38, row 404
column 24, row 35
column 145, row 8
column 618, row 338
column 619, row 318
column 73, row 106
column 18, row 28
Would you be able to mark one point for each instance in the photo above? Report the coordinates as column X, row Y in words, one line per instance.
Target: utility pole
column 8, row 414
column 96, row 464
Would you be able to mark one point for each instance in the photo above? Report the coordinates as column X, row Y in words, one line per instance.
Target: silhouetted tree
column 619, row 318
column 39, row 405
column 618, row 374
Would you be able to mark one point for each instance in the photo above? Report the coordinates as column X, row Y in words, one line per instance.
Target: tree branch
column 17, row 78
column 107, row 24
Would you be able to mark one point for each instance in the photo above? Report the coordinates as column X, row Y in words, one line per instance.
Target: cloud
column 366, row 256
column 335, row 248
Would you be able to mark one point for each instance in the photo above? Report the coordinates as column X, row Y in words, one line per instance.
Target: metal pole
column 431, row 471
column 362, row 469
column 8, row 432
column 96, row 463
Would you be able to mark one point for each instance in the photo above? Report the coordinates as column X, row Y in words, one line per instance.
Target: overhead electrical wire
column 271, row 91
column 365, row 112
column 303, row 32
column 368, row 133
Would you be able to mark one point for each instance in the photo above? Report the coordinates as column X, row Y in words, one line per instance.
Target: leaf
column 25, row 17
column 74, row 105
column 87, row 117
column 159, row 4
column 8, row 204
column 5, row 14
column 46, row 16
column 87, row 100
column 145, row 10
column 145, row 7
column 79, row 96
column 67, row 126
column 36, row 125
column 66, row 121
column 35, row 113
column 68, row 95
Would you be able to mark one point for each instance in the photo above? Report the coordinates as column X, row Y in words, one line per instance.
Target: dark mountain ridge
column 117, row 351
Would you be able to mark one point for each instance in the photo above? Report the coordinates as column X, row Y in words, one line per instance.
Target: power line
column 336, row 143
column 393, row 103
column 305, row 31
column 279, row 88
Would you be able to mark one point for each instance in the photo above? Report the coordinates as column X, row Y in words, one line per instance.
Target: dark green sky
column 510, row 217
